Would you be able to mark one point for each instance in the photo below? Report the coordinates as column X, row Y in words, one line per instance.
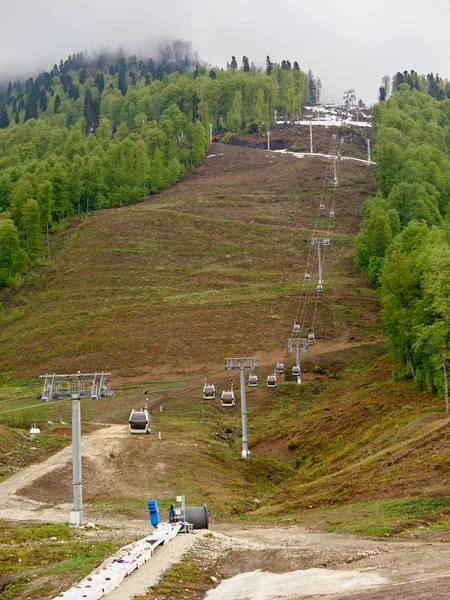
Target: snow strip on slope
column 297, row 584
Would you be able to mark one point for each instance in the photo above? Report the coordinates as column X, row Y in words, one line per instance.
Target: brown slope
column 210, row 267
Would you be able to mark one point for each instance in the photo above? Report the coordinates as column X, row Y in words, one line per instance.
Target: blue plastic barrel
column 154, row 512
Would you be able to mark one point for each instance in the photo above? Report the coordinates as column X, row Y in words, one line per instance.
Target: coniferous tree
column 57, row 103
column 88, row 109
column 245, row 64
column 269, row 65
column 234, row 64
column 31, row 105
column 43, row 100
column 123, row 87
column 4, row 120
column 397, row 81
column 100, row 82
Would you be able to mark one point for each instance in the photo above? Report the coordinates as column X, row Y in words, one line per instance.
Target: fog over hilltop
column 351, row 43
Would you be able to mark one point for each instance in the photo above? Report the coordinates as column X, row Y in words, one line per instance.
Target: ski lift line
column 20, row 397
column 306, row 284
column 303, row 301
column 41, row 404
column 327, row 202
column 315, row 311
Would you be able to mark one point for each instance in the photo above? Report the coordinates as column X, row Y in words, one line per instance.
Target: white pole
column 368, row 149
column 244, row 416
column 310, row 137
column 268, row 140
column 76, row 516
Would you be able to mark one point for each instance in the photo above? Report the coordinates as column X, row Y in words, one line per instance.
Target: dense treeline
column 96, row 134
column 431, row 84
column 404, row 240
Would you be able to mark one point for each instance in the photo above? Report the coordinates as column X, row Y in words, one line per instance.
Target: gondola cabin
column 311, row 337
column 253, row 380
column 209, row 392
column 280, row 368
column 227, row 399
column 139, row 421
column 320, row 288
column 272, row 381
column 296, row 328
column 307, row 277
column 295, row 370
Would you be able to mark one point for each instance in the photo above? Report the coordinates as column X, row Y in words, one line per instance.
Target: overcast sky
column 347, row 43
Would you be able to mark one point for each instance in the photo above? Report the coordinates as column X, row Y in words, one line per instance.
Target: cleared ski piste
column 258, row 585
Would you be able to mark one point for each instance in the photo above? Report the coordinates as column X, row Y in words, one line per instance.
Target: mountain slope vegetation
column 94, row 134
column 404, row 240
column 210, row 268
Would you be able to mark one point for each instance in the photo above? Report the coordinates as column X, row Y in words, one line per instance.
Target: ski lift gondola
column 332, row 215
column 209, row 392
column 139, row 421
column 272, row 381
column 295, row 370
column 227, row 398
column 320, row 287
column 311, row 337
column 253, row 380
column 307, row 277
column 321, row 206
column 296, row 328
column 280, row 368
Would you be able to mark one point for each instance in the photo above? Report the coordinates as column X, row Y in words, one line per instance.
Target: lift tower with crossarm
column 242, row 364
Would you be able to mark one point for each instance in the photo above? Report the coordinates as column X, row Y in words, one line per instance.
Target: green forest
column 93, row 134
column 403, row 244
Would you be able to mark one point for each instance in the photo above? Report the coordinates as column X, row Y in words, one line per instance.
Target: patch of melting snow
column 303, row 154
column 211, row 155
column 258, row 585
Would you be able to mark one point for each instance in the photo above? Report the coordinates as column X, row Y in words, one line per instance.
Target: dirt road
column 262, row 562
column 291, row 562
column 15, row 506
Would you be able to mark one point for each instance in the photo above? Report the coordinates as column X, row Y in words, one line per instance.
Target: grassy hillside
column 210, row 268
